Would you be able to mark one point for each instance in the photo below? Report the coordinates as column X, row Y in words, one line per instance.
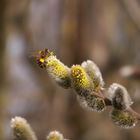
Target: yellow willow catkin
column 80, row 80
column 94, row 73
column 124, row 119
column 56, row 69
column 84, row 86
column 22, row 130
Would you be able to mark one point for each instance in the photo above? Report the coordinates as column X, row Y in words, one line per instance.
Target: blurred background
column 107, row 32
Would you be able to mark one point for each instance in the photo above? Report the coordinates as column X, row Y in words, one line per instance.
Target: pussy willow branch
column 109, row 103
column 81, row 84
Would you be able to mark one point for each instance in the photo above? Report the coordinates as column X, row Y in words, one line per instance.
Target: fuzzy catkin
column 22, row 130
column 94, row 73
column 124, row 119
column 92, row 103
column 55, row 135
column 81, row 82
column 56, row 69
column 119, row 96
column 84, row 87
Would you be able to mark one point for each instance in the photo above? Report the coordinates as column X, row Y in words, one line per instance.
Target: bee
column 40, row 57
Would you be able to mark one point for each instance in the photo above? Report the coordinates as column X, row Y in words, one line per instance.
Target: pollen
column 41, row 60
column 80, row 77
column 56, row 67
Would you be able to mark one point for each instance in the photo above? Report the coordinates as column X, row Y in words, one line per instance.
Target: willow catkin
column 21, row 129
column 119, row 96
column 124, row 119
column 94, row 73
column 84, row 87
column 55, row 135
column 56, row 69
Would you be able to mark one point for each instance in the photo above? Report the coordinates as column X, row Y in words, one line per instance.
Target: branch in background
column 86, row 79
column 133, row 9
column 131, row 72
